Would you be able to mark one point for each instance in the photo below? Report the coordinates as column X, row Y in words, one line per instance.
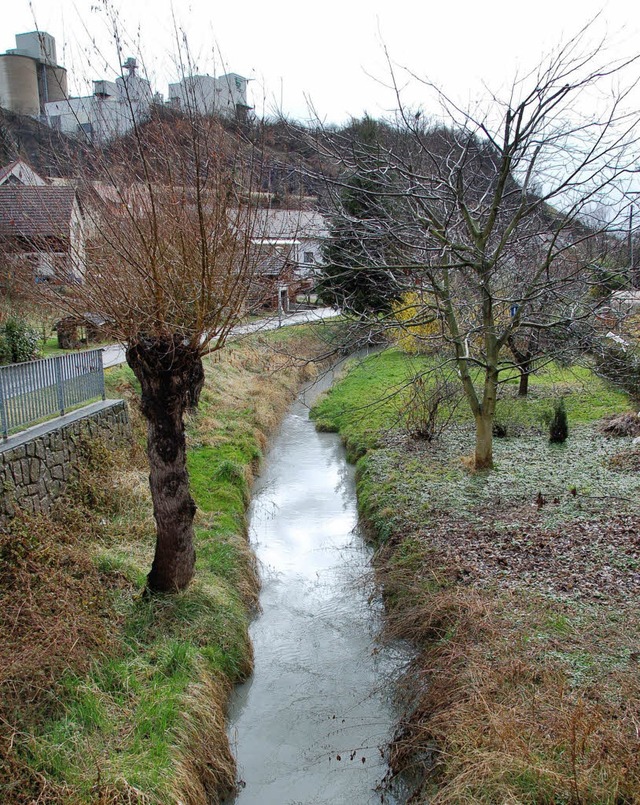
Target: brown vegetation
column 525, row 687
column 56, row 612
column 62, row 616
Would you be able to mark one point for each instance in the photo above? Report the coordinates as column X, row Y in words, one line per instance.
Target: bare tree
column 170, row 260
column 488, row 206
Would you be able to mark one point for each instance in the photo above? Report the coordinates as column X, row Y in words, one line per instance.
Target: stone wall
column 36, row 465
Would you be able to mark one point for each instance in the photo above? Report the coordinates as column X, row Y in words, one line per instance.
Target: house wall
column 313, row 247
column 36, row 466
column 77, row 240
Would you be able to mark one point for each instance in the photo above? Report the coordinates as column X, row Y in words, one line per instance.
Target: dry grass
column 254, row 375
column 73, row 626
column 56, row 614
column 205, row 766
column 519, row 590
column 512, row 698
column 627, row 424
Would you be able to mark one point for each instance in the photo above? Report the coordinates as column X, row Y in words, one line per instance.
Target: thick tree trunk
column 484, row 441
column 171, row 376
column 523, row 388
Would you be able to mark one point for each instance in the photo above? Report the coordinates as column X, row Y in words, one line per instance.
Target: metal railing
column 39, row 389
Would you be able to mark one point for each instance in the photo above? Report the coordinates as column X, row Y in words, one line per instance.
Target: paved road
column 115, row 354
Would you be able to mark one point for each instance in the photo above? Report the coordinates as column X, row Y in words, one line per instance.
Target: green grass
column 48, row 348
column 523, row 683
column 166, row 643
column 369, row 402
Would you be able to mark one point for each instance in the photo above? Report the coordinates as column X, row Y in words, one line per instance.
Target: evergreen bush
column 559, row 424
column 18, row 341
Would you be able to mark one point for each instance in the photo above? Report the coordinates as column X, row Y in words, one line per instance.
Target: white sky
column 330, row 52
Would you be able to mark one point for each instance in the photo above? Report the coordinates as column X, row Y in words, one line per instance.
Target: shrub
column 5, row 349
column 627, row 424
column 559, row 424
column 430, row 407
column 18, row 341
column 418, row 327
column 619, row 366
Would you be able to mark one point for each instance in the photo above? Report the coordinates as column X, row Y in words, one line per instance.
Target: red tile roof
column 35, row 212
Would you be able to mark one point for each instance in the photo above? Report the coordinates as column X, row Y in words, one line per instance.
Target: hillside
column 288, row 165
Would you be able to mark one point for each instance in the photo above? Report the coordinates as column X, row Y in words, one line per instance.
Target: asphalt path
column 114, row 354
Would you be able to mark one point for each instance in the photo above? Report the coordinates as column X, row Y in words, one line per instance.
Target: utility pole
column 630, row 243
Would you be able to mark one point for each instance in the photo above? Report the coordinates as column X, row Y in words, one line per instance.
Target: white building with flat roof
column 32, row 83
column 207, row 95
column 109, row 112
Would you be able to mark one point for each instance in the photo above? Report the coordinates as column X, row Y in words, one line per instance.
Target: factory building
column 30, row 76
column 32, row 83
column 225, row 96
column 110, row 111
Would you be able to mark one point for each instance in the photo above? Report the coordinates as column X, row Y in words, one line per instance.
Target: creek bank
column 516, row 587
column 129, row 705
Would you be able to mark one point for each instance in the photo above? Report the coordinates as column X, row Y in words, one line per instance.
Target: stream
column 311, row 724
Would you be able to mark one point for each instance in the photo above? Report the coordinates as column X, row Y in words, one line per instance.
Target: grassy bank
column 519, row 588
column 109, row 696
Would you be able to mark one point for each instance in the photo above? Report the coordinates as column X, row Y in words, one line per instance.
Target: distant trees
column 486, row 213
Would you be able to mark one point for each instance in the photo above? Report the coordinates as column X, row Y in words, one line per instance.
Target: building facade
column 32, row 83
column 110, row 111
column 225, row 96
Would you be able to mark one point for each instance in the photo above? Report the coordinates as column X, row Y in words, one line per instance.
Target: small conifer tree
column 559, row 424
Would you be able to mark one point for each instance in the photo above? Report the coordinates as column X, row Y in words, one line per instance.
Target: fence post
column 59, row 383
column 101, row 368
column 3, row 411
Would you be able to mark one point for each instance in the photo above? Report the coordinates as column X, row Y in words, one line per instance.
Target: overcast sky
column 330, row 53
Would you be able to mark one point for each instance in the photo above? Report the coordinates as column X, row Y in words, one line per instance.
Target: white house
column 289, row 245
column 302, row 232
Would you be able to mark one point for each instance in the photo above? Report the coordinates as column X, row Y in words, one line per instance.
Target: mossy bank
column 518, row 587
column 109, row 695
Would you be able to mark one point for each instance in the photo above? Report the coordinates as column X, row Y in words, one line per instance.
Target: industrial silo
column 19, row 84
column 53, row 83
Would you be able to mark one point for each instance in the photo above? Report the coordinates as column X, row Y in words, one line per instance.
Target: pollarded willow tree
column 170, row 260
column 489, row 210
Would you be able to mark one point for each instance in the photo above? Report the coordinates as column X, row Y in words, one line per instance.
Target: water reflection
column 308, row 726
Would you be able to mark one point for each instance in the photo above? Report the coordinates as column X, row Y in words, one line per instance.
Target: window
column 309, row 257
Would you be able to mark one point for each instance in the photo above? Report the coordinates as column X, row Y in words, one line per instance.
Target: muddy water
column 308, row 727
